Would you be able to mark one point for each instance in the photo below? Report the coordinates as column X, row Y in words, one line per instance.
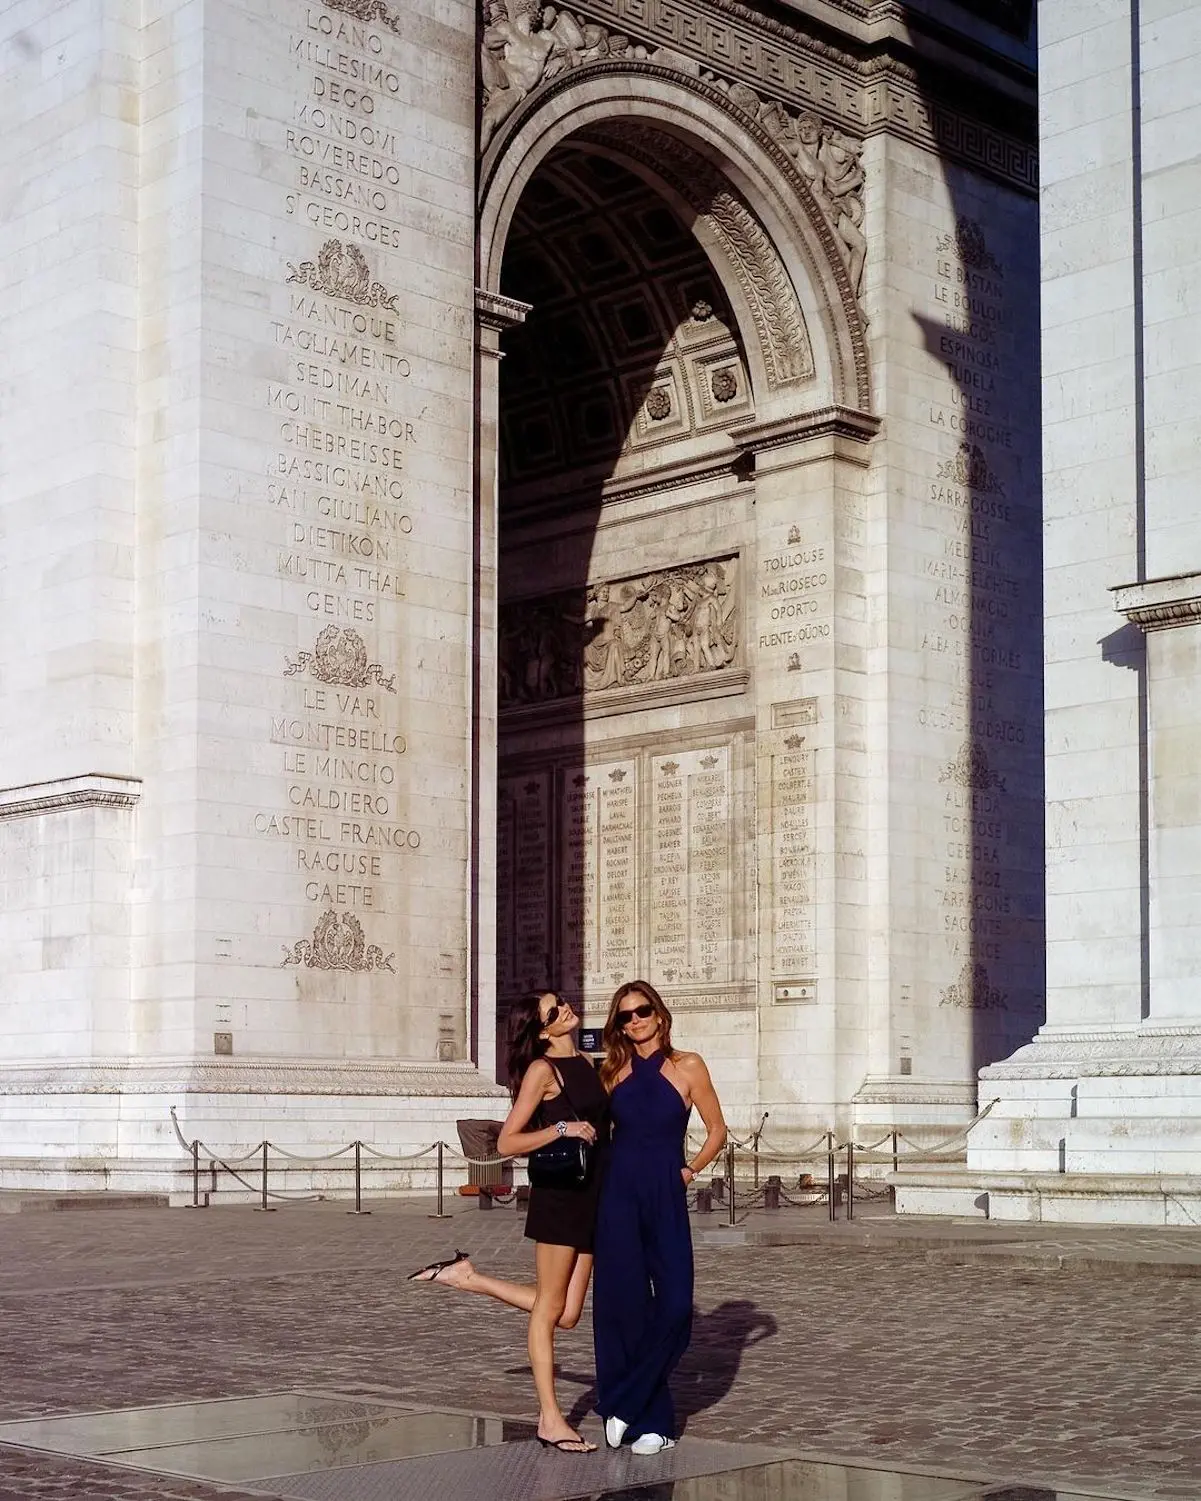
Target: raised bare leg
column 465, row 1276
column 555, row 1266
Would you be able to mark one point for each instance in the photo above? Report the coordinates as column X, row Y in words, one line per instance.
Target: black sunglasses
column 624, row 1018
column 552, row 1015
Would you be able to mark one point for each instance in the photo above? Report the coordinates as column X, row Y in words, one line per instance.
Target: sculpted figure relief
column 829, row 161
column 673, row 623
column 526, row 43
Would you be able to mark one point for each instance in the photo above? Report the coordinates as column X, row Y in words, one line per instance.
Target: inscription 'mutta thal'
column 495, row 575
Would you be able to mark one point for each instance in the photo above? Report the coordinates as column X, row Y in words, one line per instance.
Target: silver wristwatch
column 561, row 1127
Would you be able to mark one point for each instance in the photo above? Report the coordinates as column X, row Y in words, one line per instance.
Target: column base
column 127, row 1127
column 1096, row 1127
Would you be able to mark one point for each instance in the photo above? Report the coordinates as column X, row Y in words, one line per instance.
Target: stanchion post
column 831, row 1176
column 896, row 1162
column 730, row 1183
column 262, row 1206
column 850, row 1180
column 195, row 1204
column 358, row 1181
column 440, row 1215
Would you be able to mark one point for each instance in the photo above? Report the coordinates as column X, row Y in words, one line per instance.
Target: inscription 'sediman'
column 338, row 942
column 342, row 271
column 674, row 623
column 340, row 659
column 972, row 991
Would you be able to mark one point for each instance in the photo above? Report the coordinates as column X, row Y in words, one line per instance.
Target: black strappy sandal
column 430, row 1273
column 567, row 1445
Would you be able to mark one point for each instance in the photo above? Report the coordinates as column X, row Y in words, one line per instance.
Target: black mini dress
column 567, row 1216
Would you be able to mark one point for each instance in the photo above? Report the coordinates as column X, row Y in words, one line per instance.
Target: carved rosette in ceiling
column 672, row 624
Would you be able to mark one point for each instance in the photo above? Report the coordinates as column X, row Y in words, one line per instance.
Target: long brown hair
column 618, row 1047
column 525, row 1040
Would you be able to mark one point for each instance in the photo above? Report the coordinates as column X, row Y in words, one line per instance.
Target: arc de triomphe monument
column 489, row 500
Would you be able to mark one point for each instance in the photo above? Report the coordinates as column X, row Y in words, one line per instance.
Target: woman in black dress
column 555, row 1093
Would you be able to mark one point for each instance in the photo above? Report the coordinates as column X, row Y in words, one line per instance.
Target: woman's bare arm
column 702, row 1094
column 515, row 1140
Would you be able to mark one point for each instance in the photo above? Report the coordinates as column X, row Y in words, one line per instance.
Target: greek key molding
column 92, row 790
column 859, row 91
column 1160, row 604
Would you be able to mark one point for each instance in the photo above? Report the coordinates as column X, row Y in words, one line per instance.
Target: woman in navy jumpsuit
column 642, row 1303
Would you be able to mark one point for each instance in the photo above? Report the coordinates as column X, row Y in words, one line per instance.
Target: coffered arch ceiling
column 632, row 347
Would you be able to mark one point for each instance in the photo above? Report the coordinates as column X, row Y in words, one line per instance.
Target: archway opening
column 622, row 505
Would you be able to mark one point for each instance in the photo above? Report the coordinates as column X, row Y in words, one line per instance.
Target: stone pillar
column 275, row 539
column 1099, row 1119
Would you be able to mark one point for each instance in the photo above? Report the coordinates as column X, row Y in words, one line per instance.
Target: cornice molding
column 1160, row 604
column 246, row 1076
column 64, row 794
column 494, row 310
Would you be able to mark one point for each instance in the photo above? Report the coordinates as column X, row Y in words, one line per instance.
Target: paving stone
column 1023, row 1374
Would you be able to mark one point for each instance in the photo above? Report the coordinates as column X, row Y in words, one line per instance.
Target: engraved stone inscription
column 598, row 942
column 794, row 859
column 523, row 882
column 690, row 867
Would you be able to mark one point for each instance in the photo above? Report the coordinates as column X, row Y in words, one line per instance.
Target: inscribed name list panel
column 523, row 883
column 691, row 888
column 598, row 876
column 338, row 284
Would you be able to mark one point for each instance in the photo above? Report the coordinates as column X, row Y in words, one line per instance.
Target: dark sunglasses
column 553, row 1014
column 624, row 1018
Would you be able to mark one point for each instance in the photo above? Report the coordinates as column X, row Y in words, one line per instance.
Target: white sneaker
column 615, row 1431
column 651, row 1443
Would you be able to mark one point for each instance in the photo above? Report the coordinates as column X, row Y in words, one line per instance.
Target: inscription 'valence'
column 338, row 942
column 342, row 271
column 670, row 624
column 340, row 659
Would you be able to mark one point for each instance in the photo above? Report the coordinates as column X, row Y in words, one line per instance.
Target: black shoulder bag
column 565, row 1162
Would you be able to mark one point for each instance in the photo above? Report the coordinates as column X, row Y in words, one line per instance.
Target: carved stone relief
column 829, row 160
column 971, row 771
column 674, row 623
column 973, row 991
column 371, row 11
column 765, row 284
column 338, row 942
column 526, row 43
column 340, row 659
column 342, row 271
column 970, row 468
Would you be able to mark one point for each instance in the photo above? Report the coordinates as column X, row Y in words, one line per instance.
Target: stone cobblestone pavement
column 878, row 1349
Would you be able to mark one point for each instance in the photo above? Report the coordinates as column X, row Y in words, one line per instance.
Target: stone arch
column 751, row 207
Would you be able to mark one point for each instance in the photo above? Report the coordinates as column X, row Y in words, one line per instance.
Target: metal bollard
column 771, row 1192
column 704, row 1201
column 730, row 1183
column 358, row 1181
column 262, row 1207
column 896, row 1161
column 850, row 1180
column 440, row 1213
column 831, row 1178
column 717, row 1187
column 195, row 1204
column 484, row 1200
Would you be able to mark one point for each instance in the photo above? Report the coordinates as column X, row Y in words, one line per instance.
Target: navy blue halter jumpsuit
column 642, row 1298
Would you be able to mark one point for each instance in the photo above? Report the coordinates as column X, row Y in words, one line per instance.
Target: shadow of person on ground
column 710, row 1364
